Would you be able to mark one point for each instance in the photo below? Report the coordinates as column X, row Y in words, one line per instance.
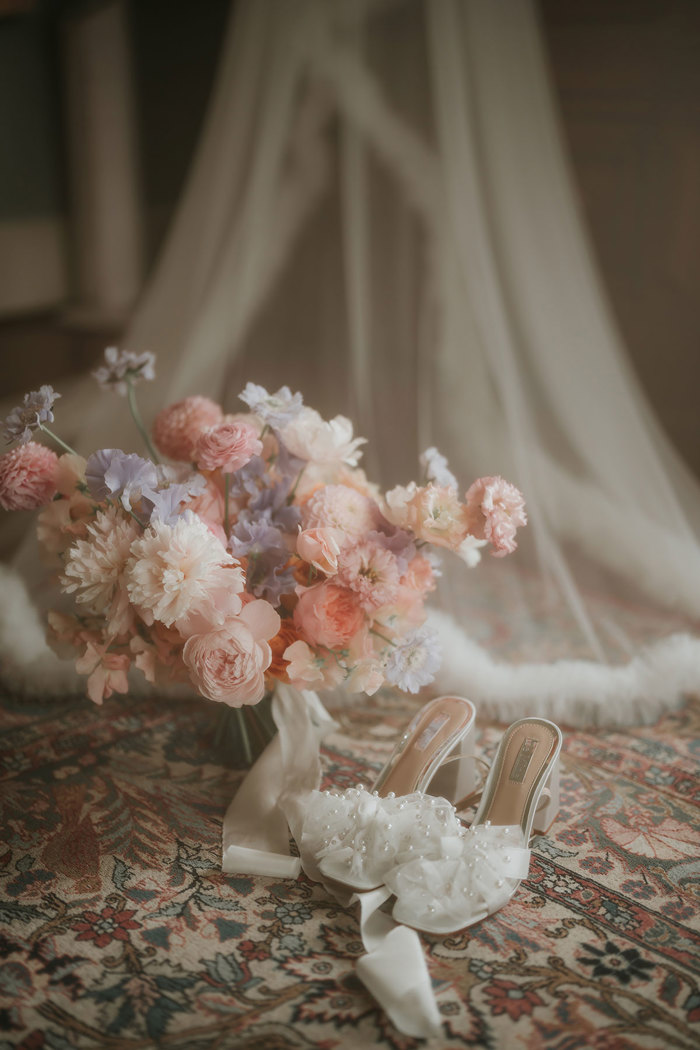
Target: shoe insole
column 523, row 759
column 436, row 728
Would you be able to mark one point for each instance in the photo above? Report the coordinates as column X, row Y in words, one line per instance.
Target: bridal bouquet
column 246, row 549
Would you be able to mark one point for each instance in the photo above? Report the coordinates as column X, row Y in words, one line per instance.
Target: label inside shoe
column 523, row 759
column 431, row 731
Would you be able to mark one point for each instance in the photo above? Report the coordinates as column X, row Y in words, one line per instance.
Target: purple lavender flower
column 271, row 503
column 414, row 662
column 122, row 366
column 271, row 582
column 247, row 480
column 257, row 537
column 36, row 408
column 111, row 472
column 274, row 409
column 287, row 463
column 436, row 468
column 164, row 502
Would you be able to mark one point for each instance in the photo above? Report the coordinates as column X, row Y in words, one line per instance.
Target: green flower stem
column 244, row 735
column 138, row 421
column 290, row 497
column 382, row 636
column 64, row 446
column 227, row 523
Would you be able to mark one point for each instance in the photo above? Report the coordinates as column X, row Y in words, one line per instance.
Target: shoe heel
column 456, row 777
column 548, row 808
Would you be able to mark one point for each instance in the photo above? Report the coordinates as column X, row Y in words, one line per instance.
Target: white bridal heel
column 354, row 837
column 443, row 876
column 479, row 870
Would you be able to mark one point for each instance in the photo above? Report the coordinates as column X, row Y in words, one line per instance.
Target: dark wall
column 627, row 76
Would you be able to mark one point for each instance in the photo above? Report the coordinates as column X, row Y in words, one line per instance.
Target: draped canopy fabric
column 381, row 215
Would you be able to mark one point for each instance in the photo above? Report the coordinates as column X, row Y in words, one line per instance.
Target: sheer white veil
column 381, row 215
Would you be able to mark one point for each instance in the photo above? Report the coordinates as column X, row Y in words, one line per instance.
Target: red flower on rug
column 106, row 926
column 507, row 997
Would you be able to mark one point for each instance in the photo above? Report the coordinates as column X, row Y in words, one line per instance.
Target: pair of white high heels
column 402, row 835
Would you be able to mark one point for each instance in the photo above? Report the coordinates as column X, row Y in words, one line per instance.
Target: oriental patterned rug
column 119, row 931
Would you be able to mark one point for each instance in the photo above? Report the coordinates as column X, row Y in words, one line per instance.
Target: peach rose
column 27, row 477
column 227, row 446
column 229, row 664
column 328, row 615
column 321, row 547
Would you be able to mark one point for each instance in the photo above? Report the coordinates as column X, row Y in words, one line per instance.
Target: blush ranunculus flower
column 229, row 664
column 495, row 510
column 27, row 477
column 177, row 428
column 227, row 446
column 328, row 615
column 321, row 547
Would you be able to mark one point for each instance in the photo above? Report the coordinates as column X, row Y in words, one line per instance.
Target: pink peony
column 495, row 510
column 340, row 507
column 328, row 615
column 178, row 427
column 27, row 477
column 227, row 446
column 229, row 664
column 321, row 547
column 181, row 575
column 371, row 572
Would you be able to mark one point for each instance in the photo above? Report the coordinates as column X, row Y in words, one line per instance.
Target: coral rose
column 27, row 477
column 227, row 446
column 229, row 664
column 328, row 615
column 178, row 427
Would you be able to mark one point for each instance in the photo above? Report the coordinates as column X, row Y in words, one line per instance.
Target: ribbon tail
column 255, row 834
column 394, row 971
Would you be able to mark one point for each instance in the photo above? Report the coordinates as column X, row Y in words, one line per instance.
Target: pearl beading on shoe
column 444, row 876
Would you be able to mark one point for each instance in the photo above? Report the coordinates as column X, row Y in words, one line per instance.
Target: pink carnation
column 328, row 615
column 227, row 446
column 229, row 664
column 372, row 573
column 178, row 427
column 495, row 510
column 27, row 477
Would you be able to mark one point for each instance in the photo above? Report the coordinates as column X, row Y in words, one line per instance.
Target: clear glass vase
column 243, row 733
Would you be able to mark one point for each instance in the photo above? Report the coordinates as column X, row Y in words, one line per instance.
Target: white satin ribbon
column 394, row 970
column 255, row 834
column 268, row 804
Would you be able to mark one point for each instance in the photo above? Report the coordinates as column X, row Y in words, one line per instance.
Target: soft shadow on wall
column 627, row 81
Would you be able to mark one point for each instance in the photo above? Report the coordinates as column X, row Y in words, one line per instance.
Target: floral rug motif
column 118, row 929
